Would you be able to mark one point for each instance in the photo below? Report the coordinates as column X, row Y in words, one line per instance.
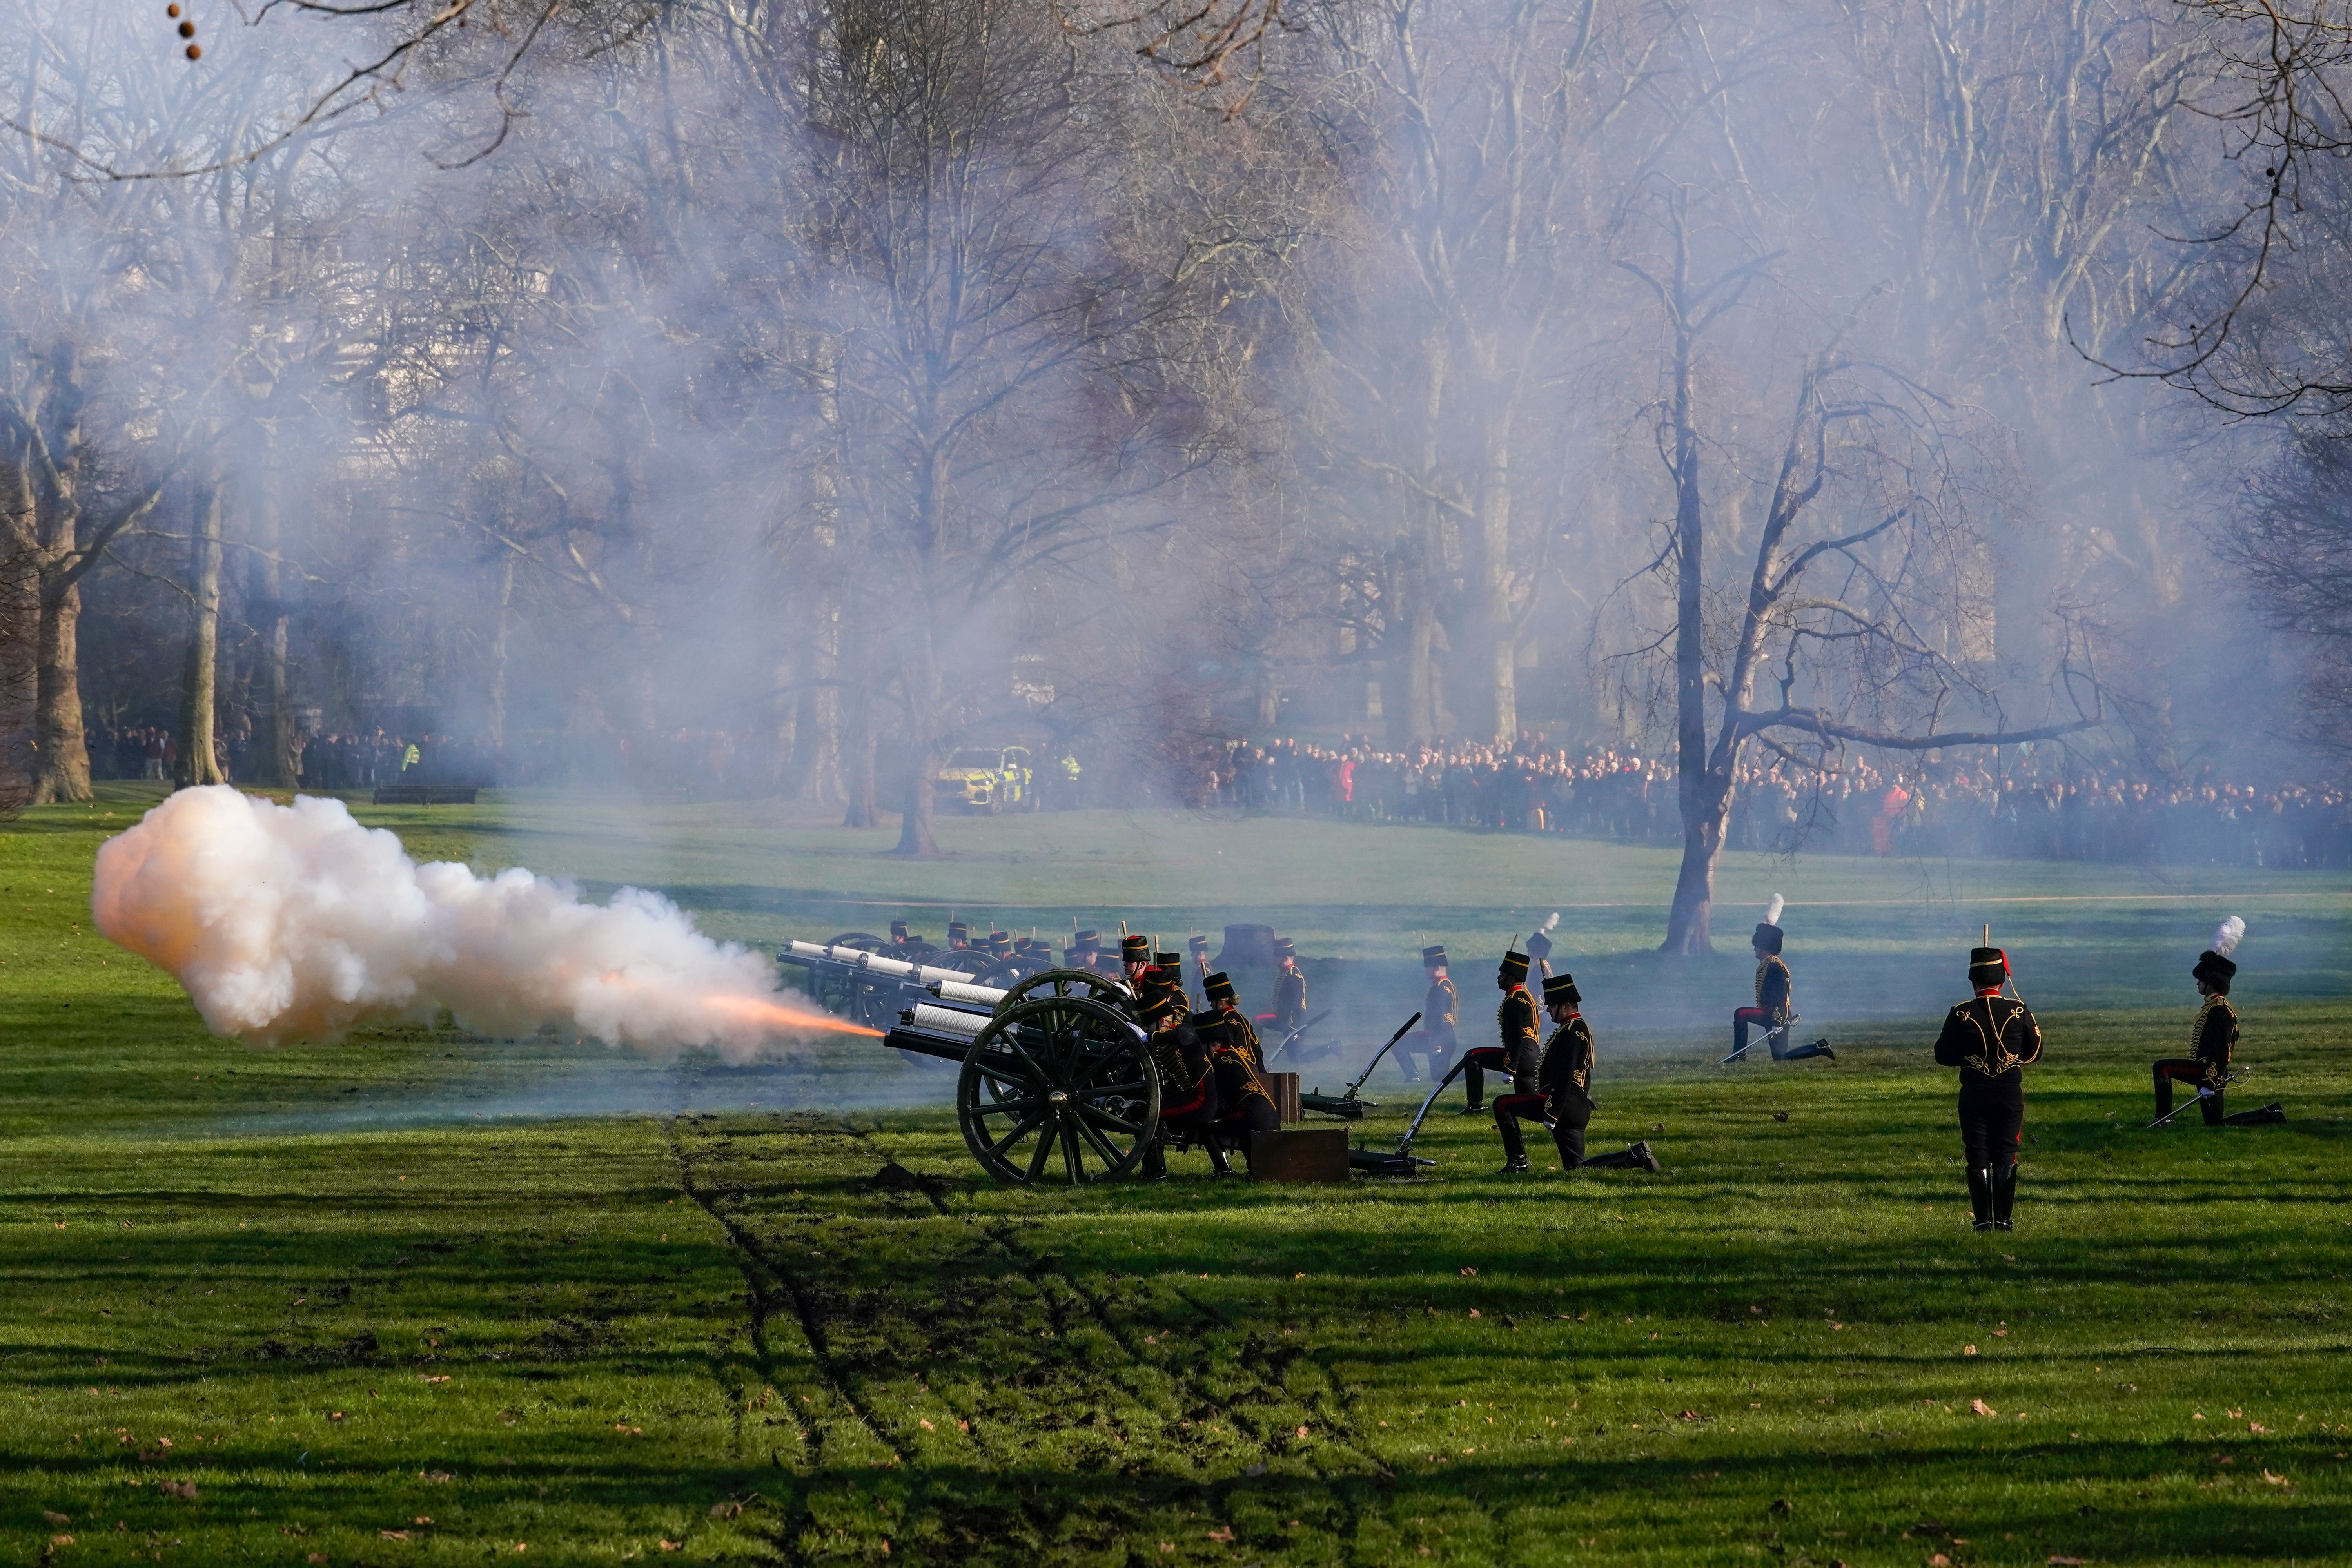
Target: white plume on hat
column 1772, row 910
column 1551, row 923
column 2229, row 934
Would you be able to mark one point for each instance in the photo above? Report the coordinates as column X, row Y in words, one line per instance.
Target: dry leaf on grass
column 1981, row 1409
column 1223, row 1532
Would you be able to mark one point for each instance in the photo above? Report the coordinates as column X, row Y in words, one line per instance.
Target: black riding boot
column 1980, row 1195
column 1818, row 1048
column 2004, row 1195
column 1217, row 1161
column 1637, row 1158
column 1155, row 1162
column 2163, row 1095
column 2259, row 1117
column 1515, row 1147
column 1476, row 1076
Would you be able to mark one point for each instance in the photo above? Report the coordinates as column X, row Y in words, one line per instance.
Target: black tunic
column 1993, row 1040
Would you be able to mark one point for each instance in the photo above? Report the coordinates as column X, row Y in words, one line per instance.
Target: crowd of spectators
column 2045, row 803
column 2030, row 803
column 699, row 764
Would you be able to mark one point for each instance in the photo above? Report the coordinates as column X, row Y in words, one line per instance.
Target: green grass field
column 422, row 1296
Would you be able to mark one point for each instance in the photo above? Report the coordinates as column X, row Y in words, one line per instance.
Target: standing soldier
column 2212, row 1038
column 1516, row 1019
column 1775, row 1010
column 1289, row 988
column 1993, row 1039
column 1561, row 1092
column 1441, row 1008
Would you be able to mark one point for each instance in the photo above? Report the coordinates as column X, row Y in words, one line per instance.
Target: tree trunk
column 277, row 745
column 1501, row 635
column 20, row 619
column 62, row 770
column 923, row 683
column 199, row 756
column 816, row 728
column 1703, row 838
column 494, row 702
column 1702, row 810
column 858, row 742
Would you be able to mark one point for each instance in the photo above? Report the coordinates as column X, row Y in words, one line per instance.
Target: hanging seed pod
column 172, row 10
column 195, row 52
column 187, row 29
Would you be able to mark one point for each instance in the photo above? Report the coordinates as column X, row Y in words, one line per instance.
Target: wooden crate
column 1305, row 1156
column 1284, row 1087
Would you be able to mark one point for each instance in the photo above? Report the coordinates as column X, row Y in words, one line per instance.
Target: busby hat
column 1220, row 987
column 1169, row 961
column 2215, row 967
column 1000, row 943
column 898, row 930
column 1282, row 948
column 1160, row 1001
column 1560, row 991
column 1987, row 966
column 1135, row 949
column 1768, row 935
column 1199, row 944
column 959, row 930
column 1514, row 971
column 1433, row 957
column 1086, row 941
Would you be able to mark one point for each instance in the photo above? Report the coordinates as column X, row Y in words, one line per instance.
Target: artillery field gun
column 1054, row 1078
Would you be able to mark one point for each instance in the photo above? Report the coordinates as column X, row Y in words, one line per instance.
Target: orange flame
column 786, row 1017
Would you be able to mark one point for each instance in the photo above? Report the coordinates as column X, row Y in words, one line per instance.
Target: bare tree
column 1855, row 625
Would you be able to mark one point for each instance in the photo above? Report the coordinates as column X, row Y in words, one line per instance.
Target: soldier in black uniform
column 1172, row 967
column 959, row 936
column 1080, row 954
column 1134, row 957
column 1560, row 1092
column 1516, row 1020
column 1244, row 1104
column 1289, row 988
column 1188, row 1088
column 1775, row 1011
column 900, row 937
column 1225, row 1013
column 1993, row 1039
column 1441, row 1009
column 1000, row 945
column 2212, row 1040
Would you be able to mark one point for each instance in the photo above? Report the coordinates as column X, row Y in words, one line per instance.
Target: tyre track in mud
column 766, row 1285
column 817, row 1296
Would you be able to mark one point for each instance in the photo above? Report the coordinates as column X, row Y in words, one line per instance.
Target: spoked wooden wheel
column 1068, row 983
column 1058, row 1087
column 864, row 941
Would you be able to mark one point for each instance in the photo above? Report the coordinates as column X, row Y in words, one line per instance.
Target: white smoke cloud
column 296, row 923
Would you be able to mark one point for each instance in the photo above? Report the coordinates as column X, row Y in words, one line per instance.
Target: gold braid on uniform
column 1996, row 1057
column 1565, row 1038
column 2216, row 1073
column 1252, row 1083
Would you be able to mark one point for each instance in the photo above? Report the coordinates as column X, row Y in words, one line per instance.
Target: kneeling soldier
column 1561, row 1092
column 1188, row 1088
column 1515, row 1021
column 1227, row 1016
column 1993, row 1039
column 2212, row 1038
column 1775, row 1011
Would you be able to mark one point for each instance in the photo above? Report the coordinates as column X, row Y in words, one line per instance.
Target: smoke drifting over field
column 296, row 923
